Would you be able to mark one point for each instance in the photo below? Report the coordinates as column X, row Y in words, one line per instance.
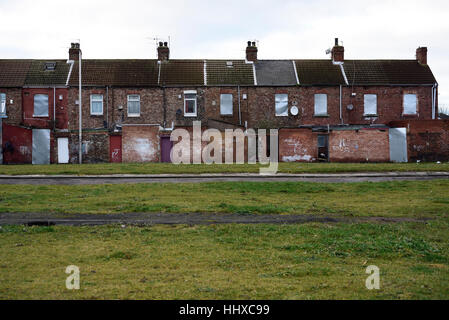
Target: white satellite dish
column 294, row 110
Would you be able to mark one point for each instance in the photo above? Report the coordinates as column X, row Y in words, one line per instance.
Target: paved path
column 44, row 219
column 196, row 178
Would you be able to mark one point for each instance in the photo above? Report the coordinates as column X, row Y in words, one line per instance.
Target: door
column 323, row 147
column 398, row 144
column 63, row 150
column 115, row 148
column 41, row 146
column 166, row 146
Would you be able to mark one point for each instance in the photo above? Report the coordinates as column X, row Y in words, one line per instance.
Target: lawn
column 390, row 199
column 311, row 261
column 164, row 168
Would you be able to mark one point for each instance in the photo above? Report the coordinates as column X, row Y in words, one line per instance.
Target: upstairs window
column 40, row 105
column 133, row 105
column 226, row 104
column 410, row 103
column 190, row 104
column 2, row 104
column 281, row 104
column 96, row 104
column 321, row 105
column 370, row 105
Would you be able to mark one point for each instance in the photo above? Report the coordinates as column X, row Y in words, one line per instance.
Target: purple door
column 166, row 146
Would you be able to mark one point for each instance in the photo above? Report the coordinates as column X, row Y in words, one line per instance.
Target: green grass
column 161, row 168
column 391, row 199
column 311, row 261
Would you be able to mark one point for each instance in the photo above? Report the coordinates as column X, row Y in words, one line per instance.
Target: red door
column 115, row 148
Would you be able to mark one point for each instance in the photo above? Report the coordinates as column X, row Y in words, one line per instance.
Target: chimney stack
column 74, row 52
column 421, row 55
column 163, row 51
column 251, row 51
column 338, row 52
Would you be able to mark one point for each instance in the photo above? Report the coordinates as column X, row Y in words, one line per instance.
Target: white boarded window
column 40, row 105
column 189, row 103
column 226, row 104
column 2, row 104
column 96, row 104
column 410, row 103
column 321, row 104
column 370, row 104
column 281, row 102
column 133, row 105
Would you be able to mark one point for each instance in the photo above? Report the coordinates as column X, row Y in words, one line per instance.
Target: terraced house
column 326, row 110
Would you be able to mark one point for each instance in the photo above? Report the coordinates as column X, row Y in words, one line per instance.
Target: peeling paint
column 297, row 158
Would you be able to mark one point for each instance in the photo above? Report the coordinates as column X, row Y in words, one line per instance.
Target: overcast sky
column 378, row 29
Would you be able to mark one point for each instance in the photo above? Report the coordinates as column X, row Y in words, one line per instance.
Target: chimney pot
column 249, row 43
column 336, row 41
column 165, row 44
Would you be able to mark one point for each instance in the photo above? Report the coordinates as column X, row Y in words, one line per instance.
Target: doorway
column 323, row 147
column 166, row 146
column 63, row 150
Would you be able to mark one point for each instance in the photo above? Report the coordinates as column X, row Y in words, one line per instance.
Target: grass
column 311, row 261
column 391, row 199
column 164, row 168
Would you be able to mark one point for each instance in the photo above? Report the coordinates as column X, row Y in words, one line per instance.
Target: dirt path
column 181, row 218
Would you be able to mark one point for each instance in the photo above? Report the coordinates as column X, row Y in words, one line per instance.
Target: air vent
column 50, row 66
column 229, row 64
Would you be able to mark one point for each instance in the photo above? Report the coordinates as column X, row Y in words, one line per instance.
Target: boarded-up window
column 321, row 104
column 40, row 105
column 96, row 104
column 226, row 104
column 281, row 101
column 370, row 104
column 410, row 103
column 133, row 105
column 2, row 104
column 189, row 104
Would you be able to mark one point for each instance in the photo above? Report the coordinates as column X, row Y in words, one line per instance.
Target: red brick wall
column 14, row 110
column 297, row 145
column 427, row 140
column 140, row 143
column 20, row 141
column 365, row 145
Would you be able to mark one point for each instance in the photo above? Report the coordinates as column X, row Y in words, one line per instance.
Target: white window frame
column 221, row 104
column 96, row 100
column 133, row 98
column 277, row 99
column 190, row 114
column 316, row 105
column 365, row 97
column 2, row 104
column 416, row 104
column 48, row 104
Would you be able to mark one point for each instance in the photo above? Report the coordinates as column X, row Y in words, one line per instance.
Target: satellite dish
column 294, row 110
column 350, row 107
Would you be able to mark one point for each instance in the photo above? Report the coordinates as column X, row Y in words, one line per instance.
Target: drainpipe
column 107, row 107
column 165, row 107
column 240, row 114
column 80, row 111
column 54, row 108
column 341, row 113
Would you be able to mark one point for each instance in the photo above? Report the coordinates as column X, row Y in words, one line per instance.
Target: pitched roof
column 319, row 72
column 122, row 72
column 387, row 72
column 229, row 72
column 39, row 76
column 182, row 72
column 275, row 72
column 13, row 72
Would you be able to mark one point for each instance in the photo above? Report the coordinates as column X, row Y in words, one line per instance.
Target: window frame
column 34, row 106
column 133, row 115
column 276, row 101
column 232, row 104
column 2, row 104
column 364, row 105
column 96, row 100
column 326, row 114
column 416, row 103
column 195, row 113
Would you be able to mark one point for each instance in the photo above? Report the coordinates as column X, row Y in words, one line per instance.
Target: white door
column 398, row 144
column 63, row 150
